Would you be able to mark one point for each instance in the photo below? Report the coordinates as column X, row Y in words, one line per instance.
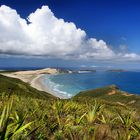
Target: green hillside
column 11, row 86
column 112, row 94
column 101, row 114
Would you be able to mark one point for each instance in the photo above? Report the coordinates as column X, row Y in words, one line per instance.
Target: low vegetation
column 12, row 86
column 28, row 114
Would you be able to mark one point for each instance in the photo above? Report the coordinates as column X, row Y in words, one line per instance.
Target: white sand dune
column 28, row 76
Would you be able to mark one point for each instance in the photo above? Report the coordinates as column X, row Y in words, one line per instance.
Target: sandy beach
column 39, row 83
column 35, row 79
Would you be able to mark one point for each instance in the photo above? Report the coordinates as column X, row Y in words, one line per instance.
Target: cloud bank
column 43, row 34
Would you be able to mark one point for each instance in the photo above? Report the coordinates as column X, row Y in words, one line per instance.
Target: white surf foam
column 55, row 87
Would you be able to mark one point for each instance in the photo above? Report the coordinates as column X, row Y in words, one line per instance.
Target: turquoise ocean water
column 71, row 84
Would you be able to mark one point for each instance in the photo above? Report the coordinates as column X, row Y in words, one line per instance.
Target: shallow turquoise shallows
column 71, row 84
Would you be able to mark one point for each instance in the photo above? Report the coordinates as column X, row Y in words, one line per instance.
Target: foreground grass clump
column 30, row 118
column 11, row 125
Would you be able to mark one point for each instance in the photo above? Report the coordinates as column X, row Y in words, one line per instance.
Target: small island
column 116, row 70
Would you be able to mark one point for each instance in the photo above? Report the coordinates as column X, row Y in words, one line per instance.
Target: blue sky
column 114, row 22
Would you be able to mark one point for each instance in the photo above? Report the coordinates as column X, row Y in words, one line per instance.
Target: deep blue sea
column 71, row 84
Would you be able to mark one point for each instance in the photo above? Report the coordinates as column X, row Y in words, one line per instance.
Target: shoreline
column 38, row 83
column 36, row 80
column 41, row 80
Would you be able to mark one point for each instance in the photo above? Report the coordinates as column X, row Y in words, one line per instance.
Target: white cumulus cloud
column 43, row 34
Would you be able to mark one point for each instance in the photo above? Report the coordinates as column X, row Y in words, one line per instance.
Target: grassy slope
column 12, row 86
column 120, row 97
column 78, row 118
column 15, row 86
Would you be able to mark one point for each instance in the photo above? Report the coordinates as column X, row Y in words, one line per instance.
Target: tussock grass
column 84, row 117
column 30, row 118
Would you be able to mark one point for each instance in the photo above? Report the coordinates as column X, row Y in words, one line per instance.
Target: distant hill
column 112, row 94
